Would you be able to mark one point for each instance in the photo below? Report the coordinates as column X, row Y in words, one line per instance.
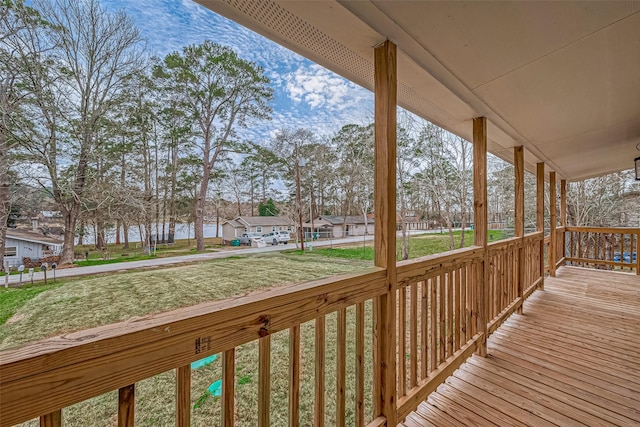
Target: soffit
column 560, row 78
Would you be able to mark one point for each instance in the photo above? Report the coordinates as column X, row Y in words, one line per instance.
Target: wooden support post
column 126, row 406
column 53, row 419
column 294, row 376
column 563, row 214
column 540, row 215
column 264, row 381
column 228, row 388
column 637, row 254
column 518, row 162
column 385, row 228
column 480, row 223
column 553, row 222
column 183, row 396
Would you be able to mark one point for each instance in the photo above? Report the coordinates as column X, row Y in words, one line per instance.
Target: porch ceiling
column 560, row 78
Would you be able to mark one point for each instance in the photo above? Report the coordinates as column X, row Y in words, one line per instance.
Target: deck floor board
column 572, row 358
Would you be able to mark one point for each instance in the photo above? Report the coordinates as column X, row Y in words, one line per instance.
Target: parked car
column 247, row 238
column 276, row 237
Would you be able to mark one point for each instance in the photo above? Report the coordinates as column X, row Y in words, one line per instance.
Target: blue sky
column 306, row 94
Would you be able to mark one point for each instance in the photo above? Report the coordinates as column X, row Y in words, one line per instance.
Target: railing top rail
column 420, row 268
column 504, row 242
column 617, row 230
column 534, row 234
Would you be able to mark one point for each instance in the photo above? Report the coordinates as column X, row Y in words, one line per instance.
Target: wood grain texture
column 385, row 95
column 126, row 406
column 553, row 223
column 540, row 214
column 183, row 396
column 341, row 364
column 229, row 388
column 563, row 363
column 360, row 365
column 318, row 409
column 480, row 218
column 264, row 381
column 294, row 376
column 53, row 419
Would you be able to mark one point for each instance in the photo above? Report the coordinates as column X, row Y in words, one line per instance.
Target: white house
column 234, row 228
column 328, row 226
column 25, row 243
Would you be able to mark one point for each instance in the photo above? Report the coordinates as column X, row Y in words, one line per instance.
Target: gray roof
column 32, row 236
column 264, row 221
column 339, row 219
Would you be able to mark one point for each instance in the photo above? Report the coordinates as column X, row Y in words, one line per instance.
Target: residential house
column 334, row 226
column 234, row 228
column 22, row 243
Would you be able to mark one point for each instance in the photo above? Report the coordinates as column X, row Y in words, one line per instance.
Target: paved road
column 162, row 262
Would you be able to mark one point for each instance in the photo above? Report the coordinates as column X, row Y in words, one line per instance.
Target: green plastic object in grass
column 204, row 362
column 216, row 388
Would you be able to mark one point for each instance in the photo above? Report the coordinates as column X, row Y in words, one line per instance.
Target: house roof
column 339, row 219
column 560, row 78
column 254, row 221
column 31, row 236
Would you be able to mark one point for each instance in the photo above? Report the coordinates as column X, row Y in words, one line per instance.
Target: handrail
column 431, row 265
column 621, row 230
column 58, row 372
column 603, row 247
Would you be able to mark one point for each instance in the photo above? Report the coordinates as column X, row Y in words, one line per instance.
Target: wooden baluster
column 183, row 396
column 450, row 325
column 442, row 327
column 341, row 361
column 264, row 381
column 456, row 309
column 424, row 325
column 126, row 406
column 413, row 336
column 319, row 397
column 228, row 387
column 464, row 305
column 54, row 419
column 434, row 325
column 360, row 364
column 637, row 254
column 402, row 342
column 294, row 376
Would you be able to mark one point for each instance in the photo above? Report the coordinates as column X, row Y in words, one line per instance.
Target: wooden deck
column 573, row 358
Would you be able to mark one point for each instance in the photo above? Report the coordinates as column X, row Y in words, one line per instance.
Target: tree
column 70, row 91
column 18, row 24
column 267, row 208
column 221, row 91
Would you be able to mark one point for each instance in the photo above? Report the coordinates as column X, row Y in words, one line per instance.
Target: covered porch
column 488, row 333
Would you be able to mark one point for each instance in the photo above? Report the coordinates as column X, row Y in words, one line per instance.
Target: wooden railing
column 438, row 298
column 39, row 379
column 610, row 248
column 438, row 320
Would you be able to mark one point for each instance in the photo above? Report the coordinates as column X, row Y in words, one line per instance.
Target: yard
column 32, row 313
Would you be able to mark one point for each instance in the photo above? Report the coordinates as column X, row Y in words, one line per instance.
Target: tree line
column 119, row 138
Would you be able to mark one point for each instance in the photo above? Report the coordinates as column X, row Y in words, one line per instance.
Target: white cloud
column 319, row 87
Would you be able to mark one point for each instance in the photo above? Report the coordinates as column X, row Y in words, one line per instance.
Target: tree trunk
column 200, row 207
column 125, row 234
column 4, row 193
column 70, row 219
